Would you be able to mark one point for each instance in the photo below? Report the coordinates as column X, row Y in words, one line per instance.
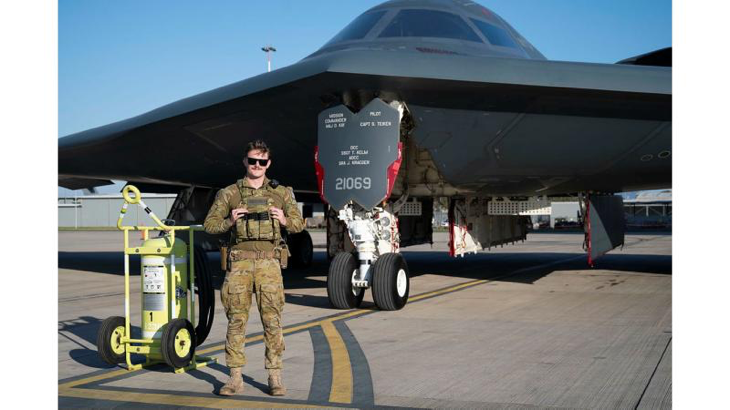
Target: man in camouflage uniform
column 256, row 208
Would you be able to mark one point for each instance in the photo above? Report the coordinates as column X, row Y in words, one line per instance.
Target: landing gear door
column 358, row 154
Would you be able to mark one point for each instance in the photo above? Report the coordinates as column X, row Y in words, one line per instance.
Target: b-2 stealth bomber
column 414, row 101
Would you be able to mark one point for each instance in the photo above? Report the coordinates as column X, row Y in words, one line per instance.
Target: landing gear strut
column 377, row 265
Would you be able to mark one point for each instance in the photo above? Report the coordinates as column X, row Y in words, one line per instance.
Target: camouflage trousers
column 236, row 294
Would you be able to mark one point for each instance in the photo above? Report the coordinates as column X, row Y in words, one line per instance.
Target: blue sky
column 118, row 59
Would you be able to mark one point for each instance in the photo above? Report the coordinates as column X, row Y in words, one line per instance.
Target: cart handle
column 138, row 200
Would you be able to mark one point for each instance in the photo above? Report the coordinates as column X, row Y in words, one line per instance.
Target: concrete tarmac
column 523, row 326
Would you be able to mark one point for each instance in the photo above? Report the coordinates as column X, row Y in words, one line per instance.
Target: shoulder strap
column 279, row 191
column 241, row 188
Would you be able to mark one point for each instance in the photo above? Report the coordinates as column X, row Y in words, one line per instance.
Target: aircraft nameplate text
column 355, row 151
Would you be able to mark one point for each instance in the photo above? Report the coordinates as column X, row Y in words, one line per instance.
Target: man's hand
column 237, row 213
column 277, row 213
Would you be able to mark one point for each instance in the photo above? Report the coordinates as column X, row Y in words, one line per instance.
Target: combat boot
column 234, row 385
column 276, row 387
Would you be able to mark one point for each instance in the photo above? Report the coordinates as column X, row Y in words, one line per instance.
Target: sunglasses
column 253, row 161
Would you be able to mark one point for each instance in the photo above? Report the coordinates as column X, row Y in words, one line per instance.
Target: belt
column 239, row 255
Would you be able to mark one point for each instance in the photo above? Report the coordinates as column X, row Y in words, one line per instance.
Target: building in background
column 92, row 211
column 102, row 211
column 649, row 209
column 646, row 209
column 643, row 209
column 565, row 215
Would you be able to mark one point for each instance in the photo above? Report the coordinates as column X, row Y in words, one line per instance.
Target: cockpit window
column 496, row 35
column 429, row 23
column 358, row 28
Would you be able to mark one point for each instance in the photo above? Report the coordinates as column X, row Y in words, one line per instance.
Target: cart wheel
column 341, row 293
column 390, row 281
column 178, row 343
column 109, row 340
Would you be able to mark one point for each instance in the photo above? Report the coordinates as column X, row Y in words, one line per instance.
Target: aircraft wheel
column 391, row 281
column 178, row 343
column 109, row 340
column 302, row 250
column 340, row 291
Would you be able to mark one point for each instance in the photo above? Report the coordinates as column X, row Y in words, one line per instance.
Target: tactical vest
column 258, row 224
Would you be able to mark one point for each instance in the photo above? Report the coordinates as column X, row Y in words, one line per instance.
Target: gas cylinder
column 164, row 285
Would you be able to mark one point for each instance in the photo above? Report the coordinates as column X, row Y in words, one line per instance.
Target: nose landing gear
column 376, row 239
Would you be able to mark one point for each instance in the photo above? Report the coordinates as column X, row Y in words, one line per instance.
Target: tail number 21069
column 352, row 183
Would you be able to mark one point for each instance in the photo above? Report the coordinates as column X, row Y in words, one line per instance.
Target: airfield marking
column 96, row 378
column 321, row 383
column 176, row 399
column 363, row 395
column 341, row 390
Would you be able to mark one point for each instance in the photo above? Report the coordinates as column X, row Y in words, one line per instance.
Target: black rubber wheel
column 340, row 291
column 302, row 250
column 178, row 343
column 109, row 340
column 391, row 282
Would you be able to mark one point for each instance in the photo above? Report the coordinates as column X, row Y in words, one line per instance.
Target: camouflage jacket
column 218, row 219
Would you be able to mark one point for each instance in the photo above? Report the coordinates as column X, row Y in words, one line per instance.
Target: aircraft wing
column 469, row 111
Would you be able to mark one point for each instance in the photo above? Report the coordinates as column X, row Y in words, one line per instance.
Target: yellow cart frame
column 145, row 345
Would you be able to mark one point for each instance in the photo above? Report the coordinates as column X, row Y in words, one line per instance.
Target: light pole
column 268, row 50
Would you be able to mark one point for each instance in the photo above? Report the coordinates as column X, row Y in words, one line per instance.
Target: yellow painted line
column 483, row 281
column 175, row 400
column 342, row 381
column 341, row 390
column 94, row 378
column 338, row 392
column 348, row 315
column 447, row 290
column 292, row 329
column 222, row 346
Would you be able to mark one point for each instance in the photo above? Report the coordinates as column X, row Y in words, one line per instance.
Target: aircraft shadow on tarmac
column 494, row 265
column 480, row 266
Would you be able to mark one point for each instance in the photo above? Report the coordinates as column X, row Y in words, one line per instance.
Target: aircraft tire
column 340, row 291
column 391, row 282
